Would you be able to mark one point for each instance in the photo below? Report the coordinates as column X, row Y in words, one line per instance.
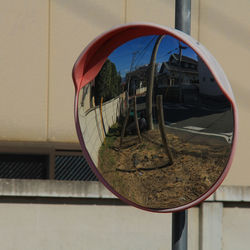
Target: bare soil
column 142, row 173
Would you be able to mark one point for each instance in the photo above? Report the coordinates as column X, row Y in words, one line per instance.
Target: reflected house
column 137, row 80
column 209, row 91
column 178, row 79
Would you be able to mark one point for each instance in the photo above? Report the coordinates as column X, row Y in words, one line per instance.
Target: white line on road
column 228, row 138
column 194, row 128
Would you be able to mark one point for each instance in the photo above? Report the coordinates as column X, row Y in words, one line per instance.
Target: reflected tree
column 107, row 83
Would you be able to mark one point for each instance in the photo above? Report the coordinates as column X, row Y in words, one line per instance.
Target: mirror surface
column 156, row 124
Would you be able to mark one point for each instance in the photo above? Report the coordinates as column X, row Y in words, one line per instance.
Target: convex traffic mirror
column 155, row 116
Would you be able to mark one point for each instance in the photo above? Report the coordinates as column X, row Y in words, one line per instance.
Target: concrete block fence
column 92, row 127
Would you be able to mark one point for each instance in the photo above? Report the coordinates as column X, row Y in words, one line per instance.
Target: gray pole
column 179, row 230
column 180, row 219
column 183, row 15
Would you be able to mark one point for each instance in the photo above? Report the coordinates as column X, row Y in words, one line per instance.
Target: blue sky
column 141, row 49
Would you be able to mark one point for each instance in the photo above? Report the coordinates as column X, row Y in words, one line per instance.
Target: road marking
column 194, row 128
column 228, row 134
column 170, row 123
column 228, row 138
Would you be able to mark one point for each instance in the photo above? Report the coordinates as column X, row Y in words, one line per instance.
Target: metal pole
column 179, row 230
column 180, row 219
column 183, row 15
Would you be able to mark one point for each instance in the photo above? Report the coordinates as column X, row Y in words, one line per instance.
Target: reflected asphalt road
column 199, row 119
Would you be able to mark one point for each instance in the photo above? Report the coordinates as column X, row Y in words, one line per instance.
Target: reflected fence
column 95, row 123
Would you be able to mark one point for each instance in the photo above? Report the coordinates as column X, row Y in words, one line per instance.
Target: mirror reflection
column 156, row 124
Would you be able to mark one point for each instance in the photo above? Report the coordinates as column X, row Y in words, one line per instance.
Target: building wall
column 81, row 227
column 24, row 69
column 51, row 215
column 93, row 226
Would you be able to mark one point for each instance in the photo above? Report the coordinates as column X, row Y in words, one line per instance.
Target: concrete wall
column 91, row 124
column 94, row 226
column 84, row 215
column 224, row 29
column 82, row 227
column 24, row 27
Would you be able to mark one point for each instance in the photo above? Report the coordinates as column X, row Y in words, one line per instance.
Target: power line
column 143, row 51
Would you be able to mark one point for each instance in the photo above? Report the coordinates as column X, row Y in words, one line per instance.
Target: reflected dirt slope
column 141, row 171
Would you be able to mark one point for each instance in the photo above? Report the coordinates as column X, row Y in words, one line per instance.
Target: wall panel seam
column 48, row 70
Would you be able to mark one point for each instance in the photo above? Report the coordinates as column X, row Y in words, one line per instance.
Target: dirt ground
column 142, row 173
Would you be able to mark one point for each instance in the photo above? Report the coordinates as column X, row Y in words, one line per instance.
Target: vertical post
column 180, row 219
column 102, row 122
column 164, row 139
column 136, row 120
column 150, row 84
column 211, row 216
column 125, row 124
column 179, row 230
column 51, row 164
column 183, row 15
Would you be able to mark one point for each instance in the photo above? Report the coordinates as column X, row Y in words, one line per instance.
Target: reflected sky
column 138, row 51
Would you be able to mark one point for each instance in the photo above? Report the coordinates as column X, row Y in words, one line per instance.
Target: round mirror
column 155, row 116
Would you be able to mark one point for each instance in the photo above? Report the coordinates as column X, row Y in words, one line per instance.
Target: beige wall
column 40, row 41
column 42, row 214
column 73, row 24
column 23, row 70
column 81, row 227
column 225, row 31
column 236, row 228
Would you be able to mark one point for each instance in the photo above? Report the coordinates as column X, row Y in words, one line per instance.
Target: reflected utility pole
column 131, row 67
column 183, row 15
column 150, row 84
column 180, row 219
